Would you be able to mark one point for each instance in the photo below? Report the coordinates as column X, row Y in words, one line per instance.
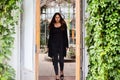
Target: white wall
column 23, row 57
column 28, row 34
column 85, row 55
column 28, row 41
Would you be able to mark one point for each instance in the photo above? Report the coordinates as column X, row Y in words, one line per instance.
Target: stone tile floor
column 47, row 70
column 52, row 78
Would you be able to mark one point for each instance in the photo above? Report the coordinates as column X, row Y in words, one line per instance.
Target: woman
column 58, row 43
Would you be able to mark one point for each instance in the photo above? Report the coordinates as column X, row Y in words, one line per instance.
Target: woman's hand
column 66, row 48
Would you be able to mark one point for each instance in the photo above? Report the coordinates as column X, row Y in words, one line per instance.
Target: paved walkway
column 52, row 78
column 47, row 70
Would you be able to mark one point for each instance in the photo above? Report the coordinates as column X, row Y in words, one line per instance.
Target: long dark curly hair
column 62, row 21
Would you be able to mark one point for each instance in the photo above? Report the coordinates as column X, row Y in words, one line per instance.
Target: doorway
column 77, row 40
column 32, row 71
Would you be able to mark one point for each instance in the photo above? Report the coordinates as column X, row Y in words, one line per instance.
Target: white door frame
column 27, row 40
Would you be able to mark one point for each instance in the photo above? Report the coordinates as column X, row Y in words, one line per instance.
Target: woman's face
column 57, row 18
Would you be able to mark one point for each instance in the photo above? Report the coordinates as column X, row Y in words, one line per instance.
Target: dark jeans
column 58, row 59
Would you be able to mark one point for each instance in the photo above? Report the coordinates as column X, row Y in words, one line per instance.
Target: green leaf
column 103, row 39
column 8, row 20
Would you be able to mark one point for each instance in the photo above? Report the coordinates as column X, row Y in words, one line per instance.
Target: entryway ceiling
column 53, row 3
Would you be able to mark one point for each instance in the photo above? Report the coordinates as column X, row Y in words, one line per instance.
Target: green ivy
column 103, row 39
column 8, row 19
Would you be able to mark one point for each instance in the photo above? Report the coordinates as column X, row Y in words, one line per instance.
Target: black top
column 58, row 41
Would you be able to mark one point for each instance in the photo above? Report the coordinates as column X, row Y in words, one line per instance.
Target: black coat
column 58, row 41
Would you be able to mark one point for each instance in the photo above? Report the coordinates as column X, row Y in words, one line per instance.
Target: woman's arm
column 66, row 37
column 49, row 40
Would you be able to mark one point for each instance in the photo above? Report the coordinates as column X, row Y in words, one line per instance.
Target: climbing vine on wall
column 103, row 39
column 8, row 19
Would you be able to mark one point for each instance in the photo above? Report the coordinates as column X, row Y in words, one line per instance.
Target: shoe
column 61, row 77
